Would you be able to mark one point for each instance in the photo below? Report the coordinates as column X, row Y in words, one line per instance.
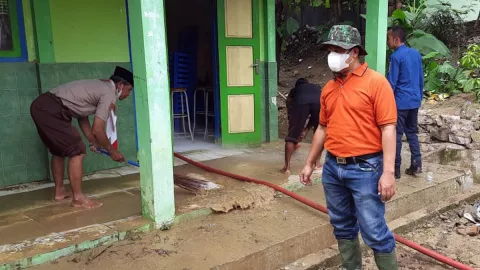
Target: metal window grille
column 6, row 42
column 3, row 7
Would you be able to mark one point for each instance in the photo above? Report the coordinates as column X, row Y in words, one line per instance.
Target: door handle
column 256, row 66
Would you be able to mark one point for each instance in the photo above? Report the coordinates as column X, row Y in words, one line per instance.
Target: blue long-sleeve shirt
column 406, row 77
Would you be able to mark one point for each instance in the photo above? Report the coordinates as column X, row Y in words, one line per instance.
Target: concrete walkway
column 274, row 231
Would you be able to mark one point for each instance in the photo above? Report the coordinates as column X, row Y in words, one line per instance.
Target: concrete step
column 330, row 257
column 413, row 194
column 269, row 236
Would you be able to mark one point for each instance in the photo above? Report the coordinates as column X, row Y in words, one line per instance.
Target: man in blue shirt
column 406, row 77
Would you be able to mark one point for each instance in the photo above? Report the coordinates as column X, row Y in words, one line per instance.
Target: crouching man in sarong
column 52, row 113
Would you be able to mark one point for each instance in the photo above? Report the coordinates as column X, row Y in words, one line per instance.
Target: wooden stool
column 182, row 115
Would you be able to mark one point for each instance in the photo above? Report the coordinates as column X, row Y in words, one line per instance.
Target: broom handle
column 128, row 161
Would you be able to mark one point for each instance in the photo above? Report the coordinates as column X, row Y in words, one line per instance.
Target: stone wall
column 458, row 131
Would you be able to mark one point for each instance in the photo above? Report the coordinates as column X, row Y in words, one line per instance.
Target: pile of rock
column 462, row 130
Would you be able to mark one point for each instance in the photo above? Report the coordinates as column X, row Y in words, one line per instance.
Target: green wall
column 22, row 155
column 89, row 30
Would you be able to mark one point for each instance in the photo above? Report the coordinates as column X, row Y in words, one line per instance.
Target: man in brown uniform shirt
column 52, row 113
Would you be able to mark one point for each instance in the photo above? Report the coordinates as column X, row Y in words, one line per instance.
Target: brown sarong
column 54, row 125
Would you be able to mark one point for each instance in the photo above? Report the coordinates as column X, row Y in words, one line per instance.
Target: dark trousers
column 354, row 204
column 298, row 116
column 408, row 123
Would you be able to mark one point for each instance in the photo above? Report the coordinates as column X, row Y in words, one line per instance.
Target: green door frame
column 223, row 41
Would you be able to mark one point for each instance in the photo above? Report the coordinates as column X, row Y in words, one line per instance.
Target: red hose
column 439, row 257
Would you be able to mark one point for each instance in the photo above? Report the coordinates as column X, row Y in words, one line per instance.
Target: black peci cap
column 124, row 74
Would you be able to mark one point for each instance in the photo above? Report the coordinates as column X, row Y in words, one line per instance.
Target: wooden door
column 239, row 56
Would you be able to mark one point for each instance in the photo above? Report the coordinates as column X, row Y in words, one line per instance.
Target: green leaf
column 461, row 75
column 447, row 68
column 363, row 16
column 430, row 55
column 431, row 66
column 399, row 14
column 292, row 26
column 434, row 84
column 469, row 86
column 410, row 17
column 317, row 3
column 427, row 43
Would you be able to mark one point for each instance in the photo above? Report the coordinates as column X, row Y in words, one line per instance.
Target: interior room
column 193, row 64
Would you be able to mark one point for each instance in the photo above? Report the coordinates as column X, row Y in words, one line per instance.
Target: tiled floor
column 185, row 145
column 28, row 211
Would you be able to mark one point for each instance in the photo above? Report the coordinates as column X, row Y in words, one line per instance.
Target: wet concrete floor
column 26, row 215
column 33, row 214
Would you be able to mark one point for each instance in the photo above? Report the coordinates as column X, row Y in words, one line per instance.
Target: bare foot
column 285, row 170
column 62, row 195
column 86, row 203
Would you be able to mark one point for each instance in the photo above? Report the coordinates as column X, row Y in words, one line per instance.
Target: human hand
column 305, row 175
column 117, row 156
column 94, row 148
column 386, row 186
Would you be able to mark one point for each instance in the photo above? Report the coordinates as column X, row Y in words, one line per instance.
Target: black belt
column 355, row 160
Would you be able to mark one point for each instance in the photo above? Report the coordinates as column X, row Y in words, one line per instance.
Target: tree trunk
column 339, row 9
column 398, row 4
column 278, row 52
column 477, row 23
column 279, row 17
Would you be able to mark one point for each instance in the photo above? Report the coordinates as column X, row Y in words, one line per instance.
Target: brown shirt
column 87, row 97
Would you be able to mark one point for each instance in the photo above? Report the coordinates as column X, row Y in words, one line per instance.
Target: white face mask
column 337, row 61
column 119, row 92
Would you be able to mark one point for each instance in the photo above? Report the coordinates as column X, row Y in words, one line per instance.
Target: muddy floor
column 203, row 242
column 440, row 234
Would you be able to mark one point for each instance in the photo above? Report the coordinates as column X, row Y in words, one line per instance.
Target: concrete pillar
column 376, row 34
column 152, row 99
column 272, row 74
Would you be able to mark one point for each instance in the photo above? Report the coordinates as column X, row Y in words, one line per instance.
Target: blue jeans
column 408, row 123
column 354, row 204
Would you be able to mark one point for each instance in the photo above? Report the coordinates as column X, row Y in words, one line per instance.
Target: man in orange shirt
column 357, row 128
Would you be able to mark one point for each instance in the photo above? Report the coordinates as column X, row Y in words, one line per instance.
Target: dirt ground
column 305, row 59
column 439, row 234
column 316, row 71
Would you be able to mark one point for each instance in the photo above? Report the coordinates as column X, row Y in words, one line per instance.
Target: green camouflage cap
column 346, row 37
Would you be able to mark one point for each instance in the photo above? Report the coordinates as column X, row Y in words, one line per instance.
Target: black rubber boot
column 398, row 175
column 413, row 170
column 351, row 254
column 386, row 261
